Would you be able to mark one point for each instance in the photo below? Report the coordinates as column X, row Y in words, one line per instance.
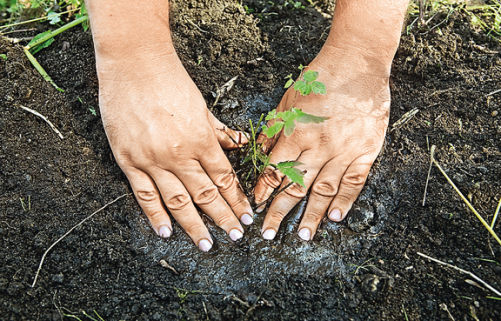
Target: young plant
column 285, row 120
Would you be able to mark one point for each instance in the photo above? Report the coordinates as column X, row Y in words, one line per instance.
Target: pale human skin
column 170, row 146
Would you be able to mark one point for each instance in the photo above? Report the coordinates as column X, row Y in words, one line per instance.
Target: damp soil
column 365, row 268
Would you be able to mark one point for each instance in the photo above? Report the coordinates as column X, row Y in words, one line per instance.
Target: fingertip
column 269, row 234
column 305, row 234
column 235, row 234
column 336, row 215
column 247, row 219
column 204, row 245
column 164, row 231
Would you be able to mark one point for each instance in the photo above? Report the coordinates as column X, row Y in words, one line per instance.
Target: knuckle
column 206, row 195
column 313, row 217
column 147, row 196
column 296, row 191
column 226, row 180
column 223, row 219
column 324, row 188
column 277, row 216
column 353, row 180
column 272, row 178
column 194, row 229
column 178, row 202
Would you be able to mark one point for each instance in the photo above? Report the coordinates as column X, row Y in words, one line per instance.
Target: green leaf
column 305, row 118
column 289, row 127
column 319, row 88
column 310, row 76
column 287, row 115
column 307, row 90
column 289, row 83
column 53, row 17
column 301, row 67
column 288, row 164
column 45, row 44
column 271, row 115
column 36, row 49
column 299, row 86
column 294, row 174
column 92, row 111
column 274, row 129
column 3, row 56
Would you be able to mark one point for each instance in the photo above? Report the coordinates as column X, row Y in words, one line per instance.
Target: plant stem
column 58, row 31
column 40, row 69
column 37, row 19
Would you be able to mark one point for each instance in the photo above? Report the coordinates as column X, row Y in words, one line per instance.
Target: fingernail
column 335, row 214
column 260, row 209
column 269, row 234
column 305, row 234
column 235, row 234
column 246, row 219
column 204, row 245
column 164, row 232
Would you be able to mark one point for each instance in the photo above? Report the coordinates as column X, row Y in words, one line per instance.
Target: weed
column 200, row 59
column 363, row 266
column 90, row 108
column 3, row 56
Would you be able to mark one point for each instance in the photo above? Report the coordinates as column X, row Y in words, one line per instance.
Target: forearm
column 130, row 31
column 371, row 28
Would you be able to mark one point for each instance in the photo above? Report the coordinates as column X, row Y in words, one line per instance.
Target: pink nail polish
column 164, row 232
column 236, row 234
column 246, row 219
column 305, row 234
column 335, row 215
column 269, row 234
column 204, row 245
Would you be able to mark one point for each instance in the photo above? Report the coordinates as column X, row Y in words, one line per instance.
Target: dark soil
column 366, row 268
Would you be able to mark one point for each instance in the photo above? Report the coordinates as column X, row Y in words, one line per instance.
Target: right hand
column 169, row 145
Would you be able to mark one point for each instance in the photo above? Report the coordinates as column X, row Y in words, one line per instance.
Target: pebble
column 494, row 113
column 482, row 170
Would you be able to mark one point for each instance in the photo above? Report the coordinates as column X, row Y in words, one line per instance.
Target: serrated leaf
column 306, row 90
column 319, row 88
column 271, row 115
column 310, row 75
column 289, row 127
column 305, row 118
column 287, row 115
column 289, row 83
column 299, row 85
column 289, row 164
column 45, row 44
column 53, row 17
column 274, row 129
column 294, row 174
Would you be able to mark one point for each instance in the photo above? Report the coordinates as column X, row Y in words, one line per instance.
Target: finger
column 219, row 169
column 271, row 178
column 179, row 203
column 322, row 193
column 227, row 138
column 290, row 197
column 350, row 187
column 149, row 199
column 266, row 142
column 206, row 195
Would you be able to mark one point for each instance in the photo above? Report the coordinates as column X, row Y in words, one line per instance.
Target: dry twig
column 462, row 271
column 36, row 113
column 66, row 234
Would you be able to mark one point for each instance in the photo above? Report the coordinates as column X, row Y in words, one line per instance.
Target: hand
column 336, row 154
column 169, row 145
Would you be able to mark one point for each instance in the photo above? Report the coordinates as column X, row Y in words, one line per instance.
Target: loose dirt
column 365, row 268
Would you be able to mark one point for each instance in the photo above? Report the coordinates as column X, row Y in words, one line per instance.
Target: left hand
column 336, row 154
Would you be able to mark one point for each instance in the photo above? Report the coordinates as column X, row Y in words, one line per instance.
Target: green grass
column 13, row 12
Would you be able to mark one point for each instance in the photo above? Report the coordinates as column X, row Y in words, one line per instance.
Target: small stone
column 58, row 278
column 477, row 305
column 494, row 113
column 482, row 170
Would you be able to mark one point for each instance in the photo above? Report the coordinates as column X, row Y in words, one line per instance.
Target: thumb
column 227, row 138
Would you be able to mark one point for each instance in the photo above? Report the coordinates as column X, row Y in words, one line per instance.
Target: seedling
column 285, row 120
column 3, row 56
